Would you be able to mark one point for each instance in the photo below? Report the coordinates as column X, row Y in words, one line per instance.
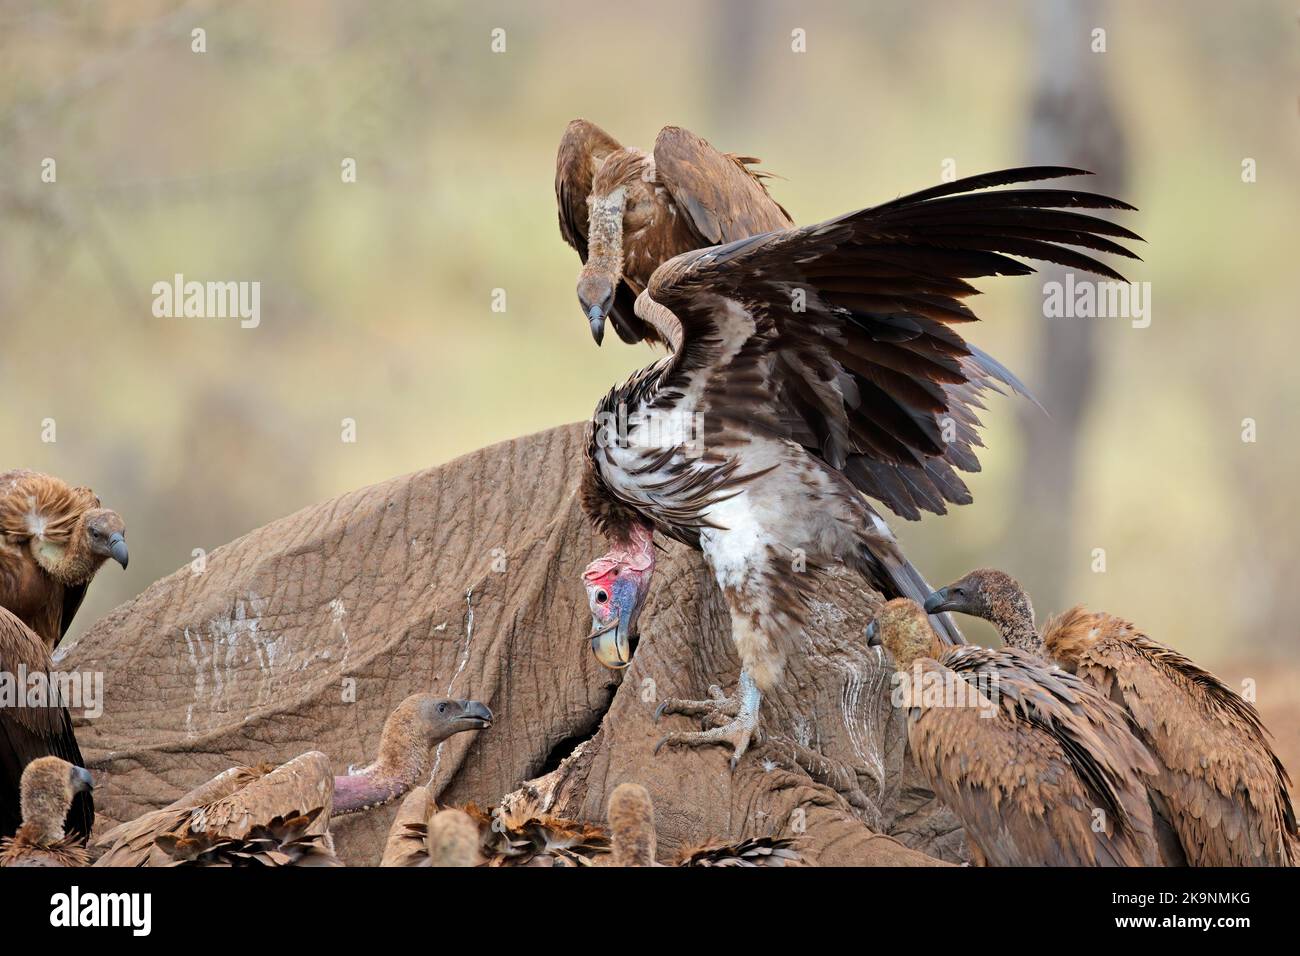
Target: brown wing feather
column 724, row 198
column 28, row 495
column 229, row 805
column 30, row 732
column 1227, row 792
column 852, row 350
column 406, row 844
column 583, row 147
column 1028, row 781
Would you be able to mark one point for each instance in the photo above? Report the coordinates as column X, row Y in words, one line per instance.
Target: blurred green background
column 376, row 296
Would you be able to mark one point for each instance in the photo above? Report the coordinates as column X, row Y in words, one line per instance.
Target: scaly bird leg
column 743, row 709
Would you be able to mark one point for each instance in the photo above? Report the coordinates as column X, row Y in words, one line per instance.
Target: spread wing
column 724, row 198
column 1027, row 782
column 583, row 148
column 30, row 732
column 1227, row 791
column 841, row 335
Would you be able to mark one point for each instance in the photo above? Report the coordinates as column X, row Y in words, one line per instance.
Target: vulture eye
column 442, row 708
column 94, row 533
column 601, row 596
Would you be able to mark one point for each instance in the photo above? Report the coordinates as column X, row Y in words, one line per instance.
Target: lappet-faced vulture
column 53, row 539
column 49, row 786
column 1040, row 767
column 33, row 727
column 296, row 800
column 1221, row 787
column 627, row 211
column 809, row 366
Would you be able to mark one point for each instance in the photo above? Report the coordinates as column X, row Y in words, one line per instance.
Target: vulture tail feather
column 894, row 576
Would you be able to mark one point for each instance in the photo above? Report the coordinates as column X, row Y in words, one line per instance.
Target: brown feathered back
column 1227, row 791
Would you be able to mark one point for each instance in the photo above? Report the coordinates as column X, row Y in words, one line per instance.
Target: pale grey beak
column 117, row 547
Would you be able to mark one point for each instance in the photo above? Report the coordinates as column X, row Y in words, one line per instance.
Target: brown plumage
column 811, row 366
column 422, row 834
column 287, row 840
column 29, row 732
column 255, row 805
column 1222, row 789
column 626, row 211
column 1040, row 767
column 53, row 539
column 632, row 839
column 49, row 786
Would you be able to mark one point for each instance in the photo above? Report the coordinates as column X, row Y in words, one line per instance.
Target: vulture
column 29, row 732
column 49, row 787
column 1220, row 786
column 53, row 538
column 1040, row 767
column 632, row 839
column 288, row 809
column 810, row 367
column 626, row 212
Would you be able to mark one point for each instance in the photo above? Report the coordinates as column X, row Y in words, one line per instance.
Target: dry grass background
column 375, row 296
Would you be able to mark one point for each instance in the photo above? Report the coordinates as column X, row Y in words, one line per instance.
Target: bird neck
column 43, row 816
column 71, row 564
column 1013, row 616
column 605, row 234
column 403, row 761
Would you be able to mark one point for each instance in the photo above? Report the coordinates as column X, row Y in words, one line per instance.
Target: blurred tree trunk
column 1071, row 122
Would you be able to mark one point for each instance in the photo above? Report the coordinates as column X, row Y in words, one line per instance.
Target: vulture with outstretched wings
column 627, row 211
column 31, row 728
column 1221, row 789
column 53, row 540
column 1041, row 769
column 808, row 367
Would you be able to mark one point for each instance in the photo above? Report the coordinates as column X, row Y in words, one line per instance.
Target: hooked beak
column 596, row 319
column 117, row 548
column 615, row 642
column 476, row 714
column 938, row 602
column 81, row 780
column 873, row 634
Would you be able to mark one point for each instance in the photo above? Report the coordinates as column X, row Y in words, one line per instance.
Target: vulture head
column 986, row 593
column 617, row 584
column 902, row 627
column 441, row 717
column 46, row 790
column 105, row 535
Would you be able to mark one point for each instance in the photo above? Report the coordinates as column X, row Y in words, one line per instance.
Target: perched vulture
column 53, row 538
column 626, row 212
column 29, row 732
column 49, row 786
column 809, row 367
column 632, row 839
column 1220, row 786
column 286, row 807
column 1040, row 767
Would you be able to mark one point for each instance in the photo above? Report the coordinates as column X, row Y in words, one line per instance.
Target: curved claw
column 659, row 712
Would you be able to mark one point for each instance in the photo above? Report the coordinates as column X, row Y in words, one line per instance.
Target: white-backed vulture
column 810, row 367
column 1221, row 786
column 33, row 726
column 49, row 786
column 296, row 800
column 626, row 211
column 633, row 843
column 53, row 539
column 1041, row 769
